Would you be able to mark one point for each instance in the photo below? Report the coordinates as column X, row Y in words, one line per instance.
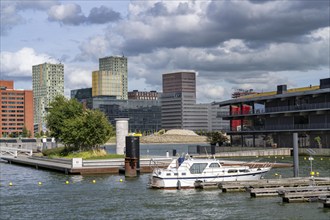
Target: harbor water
column 43, row 194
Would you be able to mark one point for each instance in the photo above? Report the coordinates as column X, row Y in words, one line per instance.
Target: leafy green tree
column 25, row 132
column 77, row 128
column 60, row 110
column 87, row 131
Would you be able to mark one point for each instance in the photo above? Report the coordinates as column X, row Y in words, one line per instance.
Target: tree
column 60, row 110
column 215, row 137
column 77, row 128
column 25, row 132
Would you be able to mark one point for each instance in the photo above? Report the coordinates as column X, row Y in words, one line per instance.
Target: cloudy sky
column 244, row 44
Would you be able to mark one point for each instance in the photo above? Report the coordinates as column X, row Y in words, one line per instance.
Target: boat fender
column 178, row 184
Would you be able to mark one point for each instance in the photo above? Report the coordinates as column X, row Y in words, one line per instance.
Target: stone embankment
column 174, row 136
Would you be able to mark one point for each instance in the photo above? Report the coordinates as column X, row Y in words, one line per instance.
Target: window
column 213, row 165
column 197, row 168
column 232, row 171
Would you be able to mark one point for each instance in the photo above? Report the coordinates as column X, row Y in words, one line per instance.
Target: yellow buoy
column 312, row 173
column 321, row 158
column 10, row 183
column 39, row 183
column 121, row 180
column 276, row 174
column 305, row 158
column 94, row 181
column 317, row 173
column 66, row 182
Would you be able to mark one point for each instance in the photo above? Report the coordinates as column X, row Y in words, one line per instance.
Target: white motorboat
column 184, row 172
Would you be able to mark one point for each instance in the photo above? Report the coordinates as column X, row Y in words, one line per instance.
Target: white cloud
column 19, row 63
column 94, row 48
column 66, row 14
column 76, row 78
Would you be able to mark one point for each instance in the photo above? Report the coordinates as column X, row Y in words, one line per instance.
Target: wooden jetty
column 273, row 183
column 79, row 166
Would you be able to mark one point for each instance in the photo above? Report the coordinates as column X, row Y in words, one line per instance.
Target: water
column 109, row 198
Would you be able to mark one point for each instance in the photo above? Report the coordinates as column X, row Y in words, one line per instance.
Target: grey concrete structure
column 121, row 133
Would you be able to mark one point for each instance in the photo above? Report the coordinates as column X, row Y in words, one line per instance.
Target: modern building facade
column 111, row 78
column 144, row 115
column 143, row 95
column 16, row 110
column 271, row 118
column 178, row 103
column 47, row 83
column 83, row 96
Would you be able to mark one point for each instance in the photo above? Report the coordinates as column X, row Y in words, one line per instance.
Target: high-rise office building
column 111, row 78
column 179, row 109
column 16, row 110
column 48, row 82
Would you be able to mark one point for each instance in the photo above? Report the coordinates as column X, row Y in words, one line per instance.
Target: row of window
column 12, row 98
column 12, row 119
column 12, row 93
column 11, row 103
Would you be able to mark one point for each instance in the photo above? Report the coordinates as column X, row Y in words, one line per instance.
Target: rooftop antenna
column 122, row 54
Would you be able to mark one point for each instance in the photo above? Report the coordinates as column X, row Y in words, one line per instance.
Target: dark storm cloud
column 103, row 15
column 271, row 21
column 277, row 21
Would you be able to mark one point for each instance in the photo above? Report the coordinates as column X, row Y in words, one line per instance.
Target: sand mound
column 180, row 132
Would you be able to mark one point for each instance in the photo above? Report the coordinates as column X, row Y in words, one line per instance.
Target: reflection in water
column 110, row 198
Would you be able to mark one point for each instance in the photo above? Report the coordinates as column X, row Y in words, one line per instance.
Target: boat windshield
column 197, row 168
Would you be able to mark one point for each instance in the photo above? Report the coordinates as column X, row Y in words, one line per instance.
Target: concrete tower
column 48, row 82
column 111, row 78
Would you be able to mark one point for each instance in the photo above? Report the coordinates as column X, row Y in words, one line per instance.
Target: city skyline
column 230, row 44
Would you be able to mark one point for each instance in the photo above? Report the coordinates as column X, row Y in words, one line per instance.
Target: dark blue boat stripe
column 208, row 177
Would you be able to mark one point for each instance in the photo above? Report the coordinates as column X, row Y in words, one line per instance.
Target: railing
column 14, row 151
column 121, row 162
column 282, row 127
column 311, row 106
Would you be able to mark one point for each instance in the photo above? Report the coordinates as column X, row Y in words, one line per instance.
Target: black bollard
column 174, row 152
column 132, row 159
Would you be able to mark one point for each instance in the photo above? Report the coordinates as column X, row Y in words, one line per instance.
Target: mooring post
column 295, row 155
column 132, row 158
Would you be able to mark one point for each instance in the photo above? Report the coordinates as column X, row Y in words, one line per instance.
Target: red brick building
column 16, row 110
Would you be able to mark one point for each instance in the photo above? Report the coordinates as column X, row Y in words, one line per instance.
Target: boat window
column 168, row 174
column 175, row 174
column 214, row 165
column 232, row 171
column 183, row 174
column 197, row 168
column 244, row 171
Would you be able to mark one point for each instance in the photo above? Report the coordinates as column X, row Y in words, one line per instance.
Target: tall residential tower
column 48, row 82
column 111, row 78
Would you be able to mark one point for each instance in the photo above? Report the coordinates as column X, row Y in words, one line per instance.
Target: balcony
column 295, row 127
column 280, row 109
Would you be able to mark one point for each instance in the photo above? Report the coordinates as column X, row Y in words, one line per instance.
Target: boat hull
column 189, row 182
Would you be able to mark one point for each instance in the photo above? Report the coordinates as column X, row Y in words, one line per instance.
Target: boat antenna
column 206, row 152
